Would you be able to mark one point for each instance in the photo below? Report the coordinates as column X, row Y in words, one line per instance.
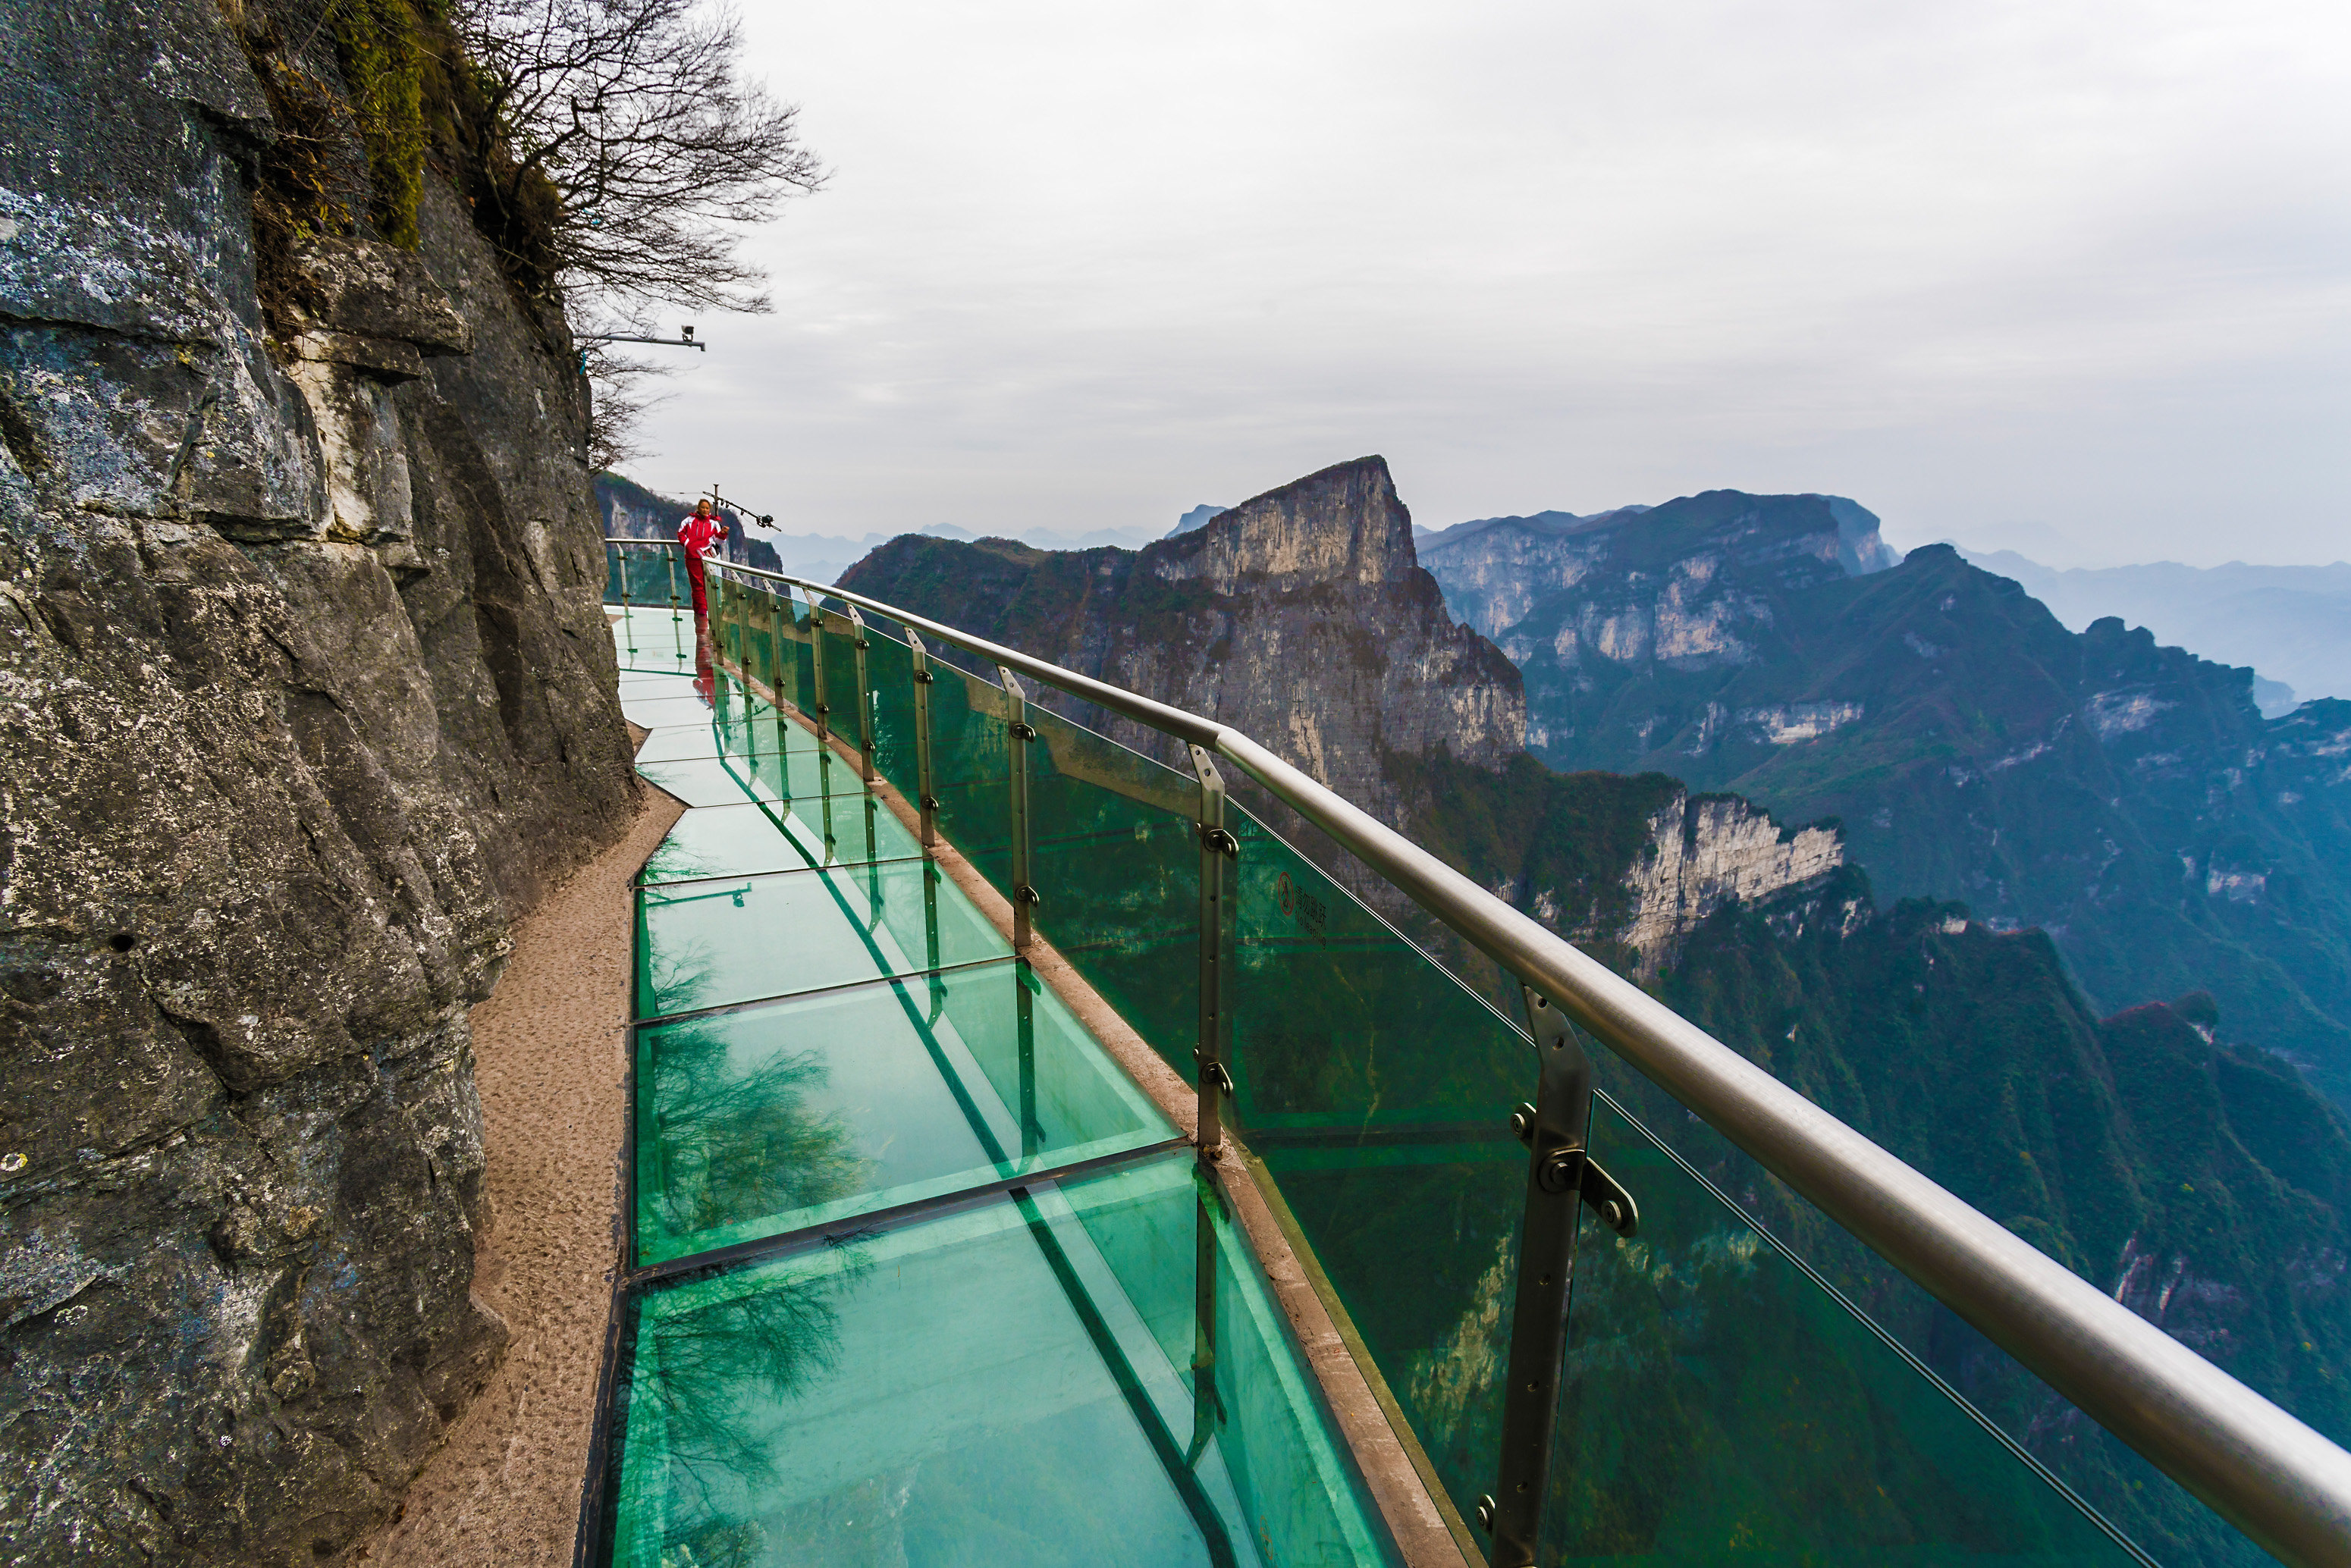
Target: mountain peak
column 1343, row 524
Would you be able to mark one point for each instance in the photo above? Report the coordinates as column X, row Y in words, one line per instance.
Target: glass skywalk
column 919, row 1274
column 1377, row 1091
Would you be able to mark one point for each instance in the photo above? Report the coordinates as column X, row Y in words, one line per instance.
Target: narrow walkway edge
column 549, row 1060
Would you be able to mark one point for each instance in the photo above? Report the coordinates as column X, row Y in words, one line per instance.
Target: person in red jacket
column 700, row 535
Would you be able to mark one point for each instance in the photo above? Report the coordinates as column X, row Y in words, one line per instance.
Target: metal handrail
column 2281, row 1482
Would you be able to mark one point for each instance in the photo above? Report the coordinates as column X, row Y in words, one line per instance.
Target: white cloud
column 1085, row 266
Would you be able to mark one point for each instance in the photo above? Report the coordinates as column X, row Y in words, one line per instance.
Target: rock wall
column 1658, row 566
column 1710, row 850
column 304, row 692
column 1301, row 617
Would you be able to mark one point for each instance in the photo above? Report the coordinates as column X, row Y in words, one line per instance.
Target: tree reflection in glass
column 737, row 1141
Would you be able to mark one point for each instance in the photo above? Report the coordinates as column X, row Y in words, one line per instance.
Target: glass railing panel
column 1116, row 856
column 1342, row 1025
column 1719, row 1400
column 890, row 672
column 971, row 771
column 771, row 836
column 714, row 944
column 841, row 674
column 1377, row 1091
column 1007, row 1383
column 2158, row 1515
column 649, row 576
column 785, row 1115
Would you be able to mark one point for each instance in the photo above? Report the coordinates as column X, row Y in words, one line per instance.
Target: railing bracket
column 1216, row 1073
column 1602, row 1193
column 1607, row 1197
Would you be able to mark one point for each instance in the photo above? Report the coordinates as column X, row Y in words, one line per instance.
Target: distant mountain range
column 2124, row 795
column 823, row 557
column 2290, row 623
column 2127, row 797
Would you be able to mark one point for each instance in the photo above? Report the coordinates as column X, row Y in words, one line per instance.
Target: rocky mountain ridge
column 305, row 694
column 2128, row 799
column 1300, row 616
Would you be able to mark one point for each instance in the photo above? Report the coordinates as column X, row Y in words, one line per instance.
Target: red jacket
column 698, row 534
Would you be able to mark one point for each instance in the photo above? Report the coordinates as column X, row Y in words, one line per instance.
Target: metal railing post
column 676, row 642
column 924, row 680
column 1219, row 852
column 628, row 621
column 816, row 653
column 1024, row 1011
column 864, row 694
column 1555, row 1129
column 1018, row 735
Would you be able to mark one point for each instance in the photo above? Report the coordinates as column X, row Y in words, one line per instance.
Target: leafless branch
column 657, row 152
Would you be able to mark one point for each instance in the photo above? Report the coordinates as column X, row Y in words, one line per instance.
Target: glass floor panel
column 714, row 780
column 808, row 769
column 797, row 1114
column 757, row 837
column 710, row 943
column 667, row 710
column 1010, row 1382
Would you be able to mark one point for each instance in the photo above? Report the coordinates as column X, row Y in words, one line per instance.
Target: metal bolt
column 1486, row 1512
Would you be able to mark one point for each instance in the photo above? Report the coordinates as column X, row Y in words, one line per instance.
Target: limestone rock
column 305, row 693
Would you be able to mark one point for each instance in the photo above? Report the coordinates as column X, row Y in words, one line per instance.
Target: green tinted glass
column 1011, row 1383
column 643, row 576
column 797, row 1114
column 889, row 666
column 971, row 771
column 654, row 641
column 1718, row 1400
column 1116, row 859
column 766, row 836
column 710, row 943
column 1340, row 1025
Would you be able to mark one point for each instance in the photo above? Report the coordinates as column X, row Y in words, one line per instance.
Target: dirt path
column 547, row 1056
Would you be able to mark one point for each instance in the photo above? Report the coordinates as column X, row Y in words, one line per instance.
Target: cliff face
column 1673, row 582
column 304, row 692
column 1301, row 617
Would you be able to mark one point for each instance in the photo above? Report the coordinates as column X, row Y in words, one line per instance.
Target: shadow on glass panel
column 712, row 944
column 1011, row 1382
column 794, row 1115
column 756, row 837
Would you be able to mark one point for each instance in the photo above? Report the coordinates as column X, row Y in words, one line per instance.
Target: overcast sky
column 2071, row 278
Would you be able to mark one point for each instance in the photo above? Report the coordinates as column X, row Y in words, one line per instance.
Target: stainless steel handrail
column 2283, row 1483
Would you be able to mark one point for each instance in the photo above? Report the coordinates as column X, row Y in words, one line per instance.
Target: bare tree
column 621, row 396
column 630, row 145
